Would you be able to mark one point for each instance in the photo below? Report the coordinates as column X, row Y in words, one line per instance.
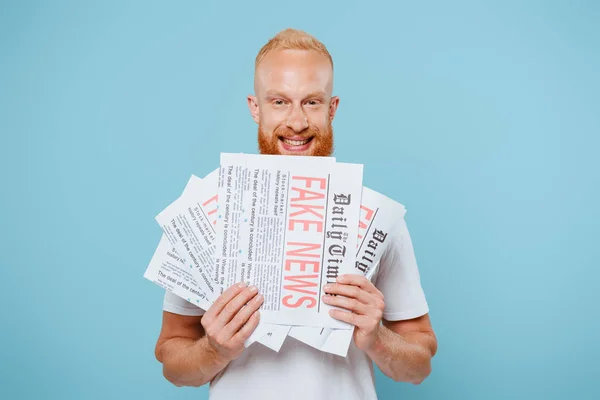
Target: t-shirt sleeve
column 176, row 305
column 398, row 278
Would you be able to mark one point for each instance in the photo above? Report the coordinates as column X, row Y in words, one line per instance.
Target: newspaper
column 378, row 214
column 169, row 271
column 285, row 224
column 285, row 229
column 189, row 225
column 237, row 189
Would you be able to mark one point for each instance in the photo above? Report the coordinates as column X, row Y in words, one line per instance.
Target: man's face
column 293, row 105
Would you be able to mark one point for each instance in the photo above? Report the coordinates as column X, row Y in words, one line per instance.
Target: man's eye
column 313, row 102
column 278, row 102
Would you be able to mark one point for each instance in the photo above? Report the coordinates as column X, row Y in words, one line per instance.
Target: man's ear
column 253, row 107
column 333, row 105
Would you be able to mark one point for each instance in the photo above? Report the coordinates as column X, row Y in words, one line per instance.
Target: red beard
column 321, row 144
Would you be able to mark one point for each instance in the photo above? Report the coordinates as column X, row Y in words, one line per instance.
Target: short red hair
column 292, row 39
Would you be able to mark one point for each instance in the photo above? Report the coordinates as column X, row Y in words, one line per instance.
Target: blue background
column 482, row 117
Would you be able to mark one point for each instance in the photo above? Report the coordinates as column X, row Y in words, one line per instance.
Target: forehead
column 294, row 72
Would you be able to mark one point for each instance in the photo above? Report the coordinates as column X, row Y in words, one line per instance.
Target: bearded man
column 294, row 108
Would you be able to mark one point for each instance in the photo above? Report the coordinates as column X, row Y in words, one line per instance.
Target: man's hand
column 365, row 303
column 231, row 320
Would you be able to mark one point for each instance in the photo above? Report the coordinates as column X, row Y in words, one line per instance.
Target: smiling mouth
column 291, row 142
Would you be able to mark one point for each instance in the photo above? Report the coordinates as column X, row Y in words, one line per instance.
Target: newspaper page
column 199, row 204
column 189, row 224
column 295, row 235
column 378, row 214
column 168, row 270
column 236, row 184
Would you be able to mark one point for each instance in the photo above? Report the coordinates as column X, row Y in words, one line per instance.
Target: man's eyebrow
column 318, row 94
column 274, row 93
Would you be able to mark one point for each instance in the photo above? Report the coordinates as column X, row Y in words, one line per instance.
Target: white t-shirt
column 299, row 371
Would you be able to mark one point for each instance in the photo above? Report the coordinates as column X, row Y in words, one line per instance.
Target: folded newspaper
column 287, row 224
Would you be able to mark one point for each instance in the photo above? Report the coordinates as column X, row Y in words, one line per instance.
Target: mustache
column 289, row 132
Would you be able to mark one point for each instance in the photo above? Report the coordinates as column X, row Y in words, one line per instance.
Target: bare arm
column 403, row 349
column 193, row 350
column 183, row 349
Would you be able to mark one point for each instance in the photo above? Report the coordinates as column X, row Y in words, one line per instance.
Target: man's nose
column 297, row 120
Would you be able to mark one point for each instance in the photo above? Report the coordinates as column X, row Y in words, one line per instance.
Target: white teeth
column 295, row 142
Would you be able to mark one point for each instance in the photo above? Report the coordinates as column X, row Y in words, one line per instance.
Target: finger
column 246, row 330
column 223, row 299
column 354, row 292
column 360, row 281
column 242, row 317
column 234, row 305
column 347, row 303
column 349, row 317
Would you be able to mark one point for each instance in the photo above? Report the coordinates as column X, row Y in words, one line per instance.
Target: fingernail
column 242, row 284
column 340, row 278
column 327, row 287
column 253, row 289
column 326, row 297
column 259, row 298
